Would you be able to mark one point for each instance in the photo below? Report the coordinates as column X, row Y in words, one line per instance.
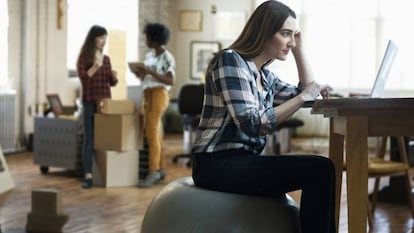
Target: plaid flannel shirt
column 99, row 85
column 236, row 115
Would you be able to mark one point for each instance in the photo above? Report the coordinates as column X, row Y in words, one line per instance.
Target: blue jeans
column 238, row 171
column 89, row 110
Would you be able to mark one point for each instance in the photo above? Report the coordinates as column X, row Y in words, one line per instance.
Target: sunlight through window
column 345, row 42
column 4, row 26
column 113, row 15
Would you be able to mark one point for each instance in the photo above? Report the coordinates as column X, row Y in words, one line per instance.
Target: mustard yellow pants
column 156, row 101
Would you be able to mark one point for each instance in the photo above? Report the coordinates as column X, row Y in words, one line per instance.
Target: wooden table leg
column 336, row 149
column 357, row 173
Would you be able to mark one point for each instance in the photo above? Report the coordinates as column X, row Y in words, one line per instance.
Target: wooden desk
column 353, row 121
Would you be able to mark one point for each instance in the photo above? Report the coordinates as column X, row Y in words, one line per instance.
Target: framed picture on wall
column 200, row 54
column 191, row 20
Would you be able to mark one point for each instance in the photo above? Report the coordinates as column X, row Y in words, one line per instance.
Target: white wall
column 184, row 38
column 37, row 56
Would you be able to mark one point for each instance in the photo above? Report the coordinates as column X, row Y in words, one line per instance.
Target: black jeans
column 237, row 171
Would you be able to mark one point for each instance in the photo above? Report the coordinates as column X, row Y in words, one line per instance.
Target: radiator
column 8, row 134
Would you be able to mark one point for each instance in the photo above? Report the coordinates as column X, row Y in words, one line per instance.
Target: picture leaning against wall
column 6, row 181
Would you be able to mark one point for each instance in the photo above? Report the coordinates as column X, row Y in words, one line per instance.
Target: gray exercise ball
column 181, row 207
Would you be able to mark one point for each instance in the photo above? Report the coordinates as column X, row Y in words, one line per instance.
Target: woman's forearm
column 288, row 108
column 91, row 71
column 304, row 71
column 168, row 78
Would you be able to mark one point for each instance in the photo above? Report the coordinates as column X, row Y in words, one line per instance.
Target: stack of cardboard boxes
column 118, row 138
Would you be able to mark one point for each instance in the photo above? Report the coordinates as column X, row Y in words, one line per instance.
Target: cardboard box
column 110, row 106
column 115, row 169
column 122, row 132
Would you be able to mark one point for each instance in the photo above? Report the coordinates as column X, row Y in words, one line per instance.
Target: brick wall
column 159, row 11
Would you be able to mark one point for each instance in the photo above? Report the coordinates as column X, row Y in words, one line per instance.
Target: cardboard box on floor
column 47, row 211
column 115, row 169
column 118, row 132
column 110, row 106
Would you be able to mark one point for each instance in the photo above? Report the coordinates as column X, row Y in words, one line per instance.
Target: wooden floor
column 110, row 210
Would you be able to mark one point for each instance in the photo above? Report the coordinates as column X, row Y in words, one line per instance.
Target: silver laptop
column 384, row 70
column 382, row 74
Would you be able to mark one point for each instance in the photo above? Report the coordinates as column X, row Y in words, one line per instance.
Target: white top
column 162, row 64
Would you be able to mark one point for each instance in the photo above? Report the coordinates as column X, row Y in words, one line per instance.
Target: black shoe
column 87, row 183
column 151, row 179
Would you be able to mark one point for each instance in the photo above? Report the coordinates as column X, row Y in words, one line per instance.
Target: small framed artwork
column 55, row 104
column 191, row 20
column 201, row 53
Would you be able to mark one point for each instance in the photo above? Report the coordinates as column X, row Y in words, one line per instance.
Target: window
column 83, row 14
column 4, row 27
column 345, row 42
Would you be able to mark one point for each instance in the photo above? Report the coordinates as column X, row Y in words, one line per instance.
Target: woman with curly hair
column 157, row 74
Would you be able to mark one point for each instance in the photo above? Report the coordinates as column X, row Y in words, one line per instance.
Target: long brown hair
column 267, row 19
column 88, row 49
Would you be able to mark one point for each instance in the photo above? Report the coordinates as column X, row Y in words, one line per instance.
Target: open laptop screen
column 55, row 104
column 384, row 70
column 382, row 74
